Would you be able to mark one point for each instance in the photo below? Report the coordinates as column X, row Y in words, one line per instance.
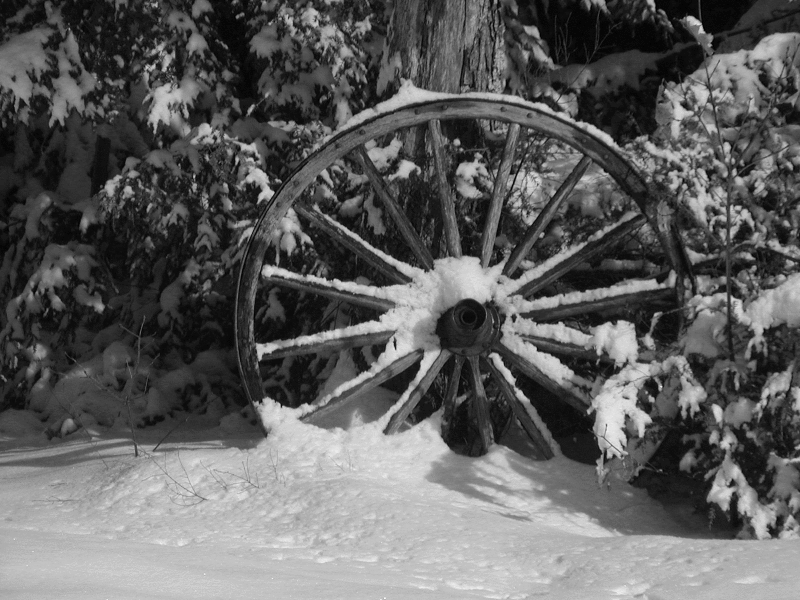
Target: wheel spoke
column 559, row 385
column 566, row 349
column 582, row 303
column 450, row 397
column 364, row 334
column 498, row 194
column 411, row 397
column 379, row 373
column 343, row 236
column 480, row 406
column 521, row 406
column 558, row 266
column 396, row 213
column 352, row 293
column 559, row 339
column 541, row 222
column 446, row 201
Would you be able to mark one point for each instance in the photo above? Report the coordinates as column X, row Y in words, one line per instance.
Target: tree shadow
column 563, row 494
column 116, row 444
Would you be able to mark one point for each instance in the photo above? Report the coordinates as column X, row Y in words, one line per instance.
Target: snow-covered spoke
column 450, row 395
column 335, row 340
column 566, row 349
column 480, row 406
column 446, row 201
column 380, row 372
column 559, row 339
column 428, row 371
column 584, row 252
column 608, row 301
column 543, row 219
column 352, row 293
column 663, row 298
column 353, row 242
column 401, row 221
column 499, row 194
column 521, row 406
column 546, row 370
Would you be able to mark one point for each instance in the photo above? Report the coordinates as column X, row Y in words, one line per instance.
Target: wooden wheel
column 466, row 252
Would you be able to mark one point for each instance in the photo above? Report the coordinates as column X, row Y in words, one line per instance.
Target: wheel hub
column 469, row 328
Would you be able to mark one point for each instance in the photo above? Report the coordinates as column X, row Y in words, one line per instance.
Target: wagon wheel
column 454, row 250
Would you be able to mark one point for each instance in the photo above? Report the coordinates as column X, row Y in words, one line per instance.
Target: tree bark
column 445, row 46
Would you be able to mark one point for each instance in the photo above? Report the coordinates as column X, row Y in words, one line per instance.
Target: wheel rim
column 458, row 301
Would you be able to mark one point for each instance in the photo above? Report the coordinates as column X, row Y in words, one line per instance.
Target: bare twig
column 186, row 492
column 247, row 478
column 276, row 472
column 170, row 432
column 132, row 373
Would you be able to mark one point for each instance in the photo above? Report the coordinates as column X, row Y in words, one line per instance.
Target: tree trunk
column 445, row 46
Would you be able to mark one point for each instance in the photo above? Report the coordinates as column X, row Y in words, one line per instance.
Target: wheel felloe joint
column 469, row 328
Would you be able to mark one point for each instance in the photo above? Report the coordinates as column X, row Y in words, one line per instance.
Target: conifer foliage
column 139, row 140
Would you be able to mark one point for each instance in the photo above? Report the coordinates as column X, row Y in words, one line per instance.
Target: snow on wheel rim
column 455, row 254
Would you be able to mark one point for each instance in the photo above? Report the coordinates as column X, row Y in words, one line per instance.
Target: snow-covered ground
column 326, row 513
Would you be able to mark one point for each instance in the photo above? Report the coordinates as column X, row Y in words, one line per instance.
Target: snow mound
column 311, row 512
